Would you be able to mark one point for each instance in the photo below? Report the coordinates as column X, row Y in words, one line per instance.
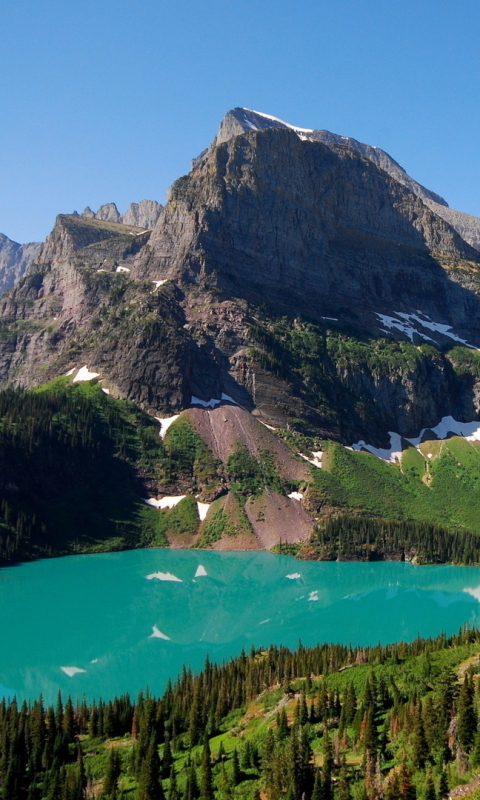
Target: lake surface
column 97, row 613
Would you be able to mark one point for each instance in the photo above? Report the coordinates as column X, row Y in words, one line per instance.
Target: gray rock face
column 310, row 226
column 241, row 120
column 14, row 260
column 144, row 214
column 141, row 215
column 466, row 225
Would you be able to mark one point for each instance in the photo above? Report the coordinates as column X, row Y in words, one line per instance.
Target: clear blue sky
column 108, row 101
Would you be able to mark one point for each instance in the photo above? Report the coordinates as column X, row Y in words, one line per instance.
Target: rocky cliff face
column 294, row 276
column 242, row 120
column 141, row 215
column 14, row 260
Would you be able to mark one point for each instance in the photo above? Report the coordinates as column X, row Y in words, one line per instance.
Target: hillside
column 327, row 722
column 82, row 471
column 294, row 298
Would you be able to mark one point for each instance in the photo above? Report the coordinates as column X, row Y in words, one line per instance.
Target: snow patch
column 293, row 576
column 270, row 427
column 201, row 571
column 316, row 460
column 163, row 576
column 330, row 319
column 164, row 502
column 229, row 399
column 408, row 325
column 70, row 371
column 295, row 496
column 156, row 634
column 122, row 269
column 447, row 426
column 71, row 671
column 84, row 374
column 251, row 125
column 107, row 391
column 165, row 423
column 158, row 284
column 196, row 401
column 202, row 509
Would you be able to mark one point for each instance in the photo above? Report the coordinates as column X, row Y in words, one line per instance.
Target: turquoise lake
column 125, row 631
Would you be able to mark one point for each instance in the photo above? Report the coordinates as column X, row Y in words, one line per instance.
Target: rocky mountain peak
column 242, row 120
column 15, row 259
column 144, row 214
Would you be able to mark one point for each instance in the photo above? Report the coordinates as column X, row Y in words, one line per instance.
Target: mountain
column 242, row 120
column 294, row 299
column 14, row 260
column 141, row 215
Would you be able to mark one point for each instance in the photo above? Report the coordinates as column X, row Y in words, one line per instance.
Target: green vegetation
column 338, row 374
column 189, row 455
column 397, row 722
column 442, row 491
column 72, row 465
column 251, row 476
column 369, row 539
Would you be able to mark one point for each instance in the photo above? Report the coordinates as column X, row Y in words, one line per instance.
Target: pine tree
column 206, row 780
column 430, row 793
column 343, row 783
column 149, row 785
column 173, row 789
column 236, row 777
column 467, row 719
column 112, row 774
column 443, row 788
column 420, row 748
column 317, row 793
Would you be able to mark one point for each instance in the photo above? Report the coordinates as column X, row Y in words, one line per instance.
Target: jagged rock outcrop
column 14, row 260
column 466, row 225
column 144, row 214
column 241, row 120
column 311, row 225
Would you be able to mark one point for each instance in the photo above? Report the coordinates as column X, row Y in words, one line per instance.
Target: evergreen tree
column 430, row 793
column 112, row 774
column 206, row 781
column 420, row 749
column 236, row 777
column 149, row 784
column 467, row 718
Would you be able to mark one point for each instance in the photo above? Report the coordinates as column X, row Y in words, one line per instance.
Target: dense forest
column 74, row 465
column 369, row 539
column 324, row 723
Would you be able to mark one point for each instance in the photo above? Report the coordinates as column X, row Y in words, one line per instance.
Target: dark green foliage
column 369, row 539
column 466, row 715
column 251, row 476
column 149, row 784
column 72, row 447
